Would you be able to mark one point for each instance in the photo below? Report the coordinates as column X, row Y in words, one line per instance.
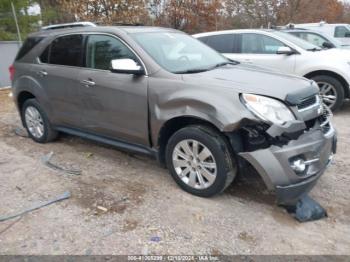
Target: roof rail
column 68, row 25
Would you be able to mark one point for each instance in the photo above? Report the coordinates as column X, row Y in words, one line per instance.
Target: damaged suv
column 163, row 93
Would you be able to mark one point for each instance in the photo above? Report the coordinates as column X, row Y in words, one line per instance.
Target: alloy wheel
column 194, row 163
column 34, row 122
column 328, row 93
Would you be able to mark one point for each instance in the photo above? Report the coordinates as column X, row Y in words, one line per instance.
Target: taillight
column 12, row 72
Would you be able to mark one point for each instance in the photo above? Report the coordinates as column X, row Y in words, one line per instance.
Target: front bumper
column 274, row 164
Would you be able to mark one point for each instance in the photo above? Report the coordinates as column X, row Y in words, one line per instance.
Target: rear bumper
column 274, row 164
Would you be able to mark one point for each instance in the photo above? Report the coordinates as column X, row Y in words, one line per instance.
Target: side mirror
column 285, row 50
column 126, row 66
column 347, row 34
column 327, row 45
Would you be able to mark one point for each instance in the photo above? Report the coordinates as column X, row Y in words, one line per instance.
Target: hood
column 332, row 54
column 256, row 80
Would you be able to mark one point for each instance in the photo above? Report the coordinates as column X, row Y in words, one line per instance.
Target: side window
column 101, row 49
column 259, row 44
column 221, row 43
column 66, row 50
column 28, row 45
column 314, row 39
column 341, row 31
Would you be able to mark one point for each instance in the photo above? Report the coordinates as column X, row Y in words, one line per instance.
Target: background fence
column 8, row 51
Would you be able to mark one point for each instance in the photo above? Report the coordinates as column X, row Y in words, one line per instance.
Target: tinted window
column 259, row 44
column 341, row 31
column 67, row 50
column 221, row 43
column 28, row 45
column 102, row 49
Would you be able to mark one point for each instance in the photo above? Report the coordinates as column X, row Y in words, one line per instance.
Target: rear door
column 114, row 104
column 261, row 50
column 58, row 72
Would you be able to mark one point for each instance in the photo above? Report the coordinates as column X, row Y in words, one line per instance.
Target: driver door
column 114, row 104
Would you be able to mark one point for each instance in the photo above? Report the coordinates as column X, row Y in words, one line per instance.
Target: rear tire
column 332, row 91
column 37, row 123
column 206, row 167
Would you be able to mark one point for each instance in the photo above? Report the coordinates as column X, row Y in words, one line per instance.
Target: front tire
column 200, row 161
column 332, row 91
column 36, row 122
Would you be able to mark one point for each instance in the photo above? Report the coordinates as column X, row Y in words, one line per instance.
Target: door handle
column 42, row 73
column 88, row 83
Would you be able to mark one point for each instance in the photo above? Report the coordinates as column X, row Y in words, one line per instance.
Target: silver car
column 160, row 92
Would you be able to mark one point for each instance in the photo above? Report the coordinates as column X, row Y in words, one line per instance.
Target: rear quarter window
column 28, row 45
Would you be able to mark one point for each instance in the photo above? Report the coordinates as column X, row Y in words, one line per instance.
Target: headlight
column 268, row 109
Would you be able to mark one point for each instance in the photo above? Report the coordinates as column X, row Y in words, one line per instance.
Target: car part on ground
column 306, row 210
column 62, row 197
column 19, row 131
column 46, row 160
column 170, row 96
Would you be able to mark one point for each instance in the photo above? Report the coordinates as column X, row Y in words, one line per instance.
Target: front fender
column 221, row 107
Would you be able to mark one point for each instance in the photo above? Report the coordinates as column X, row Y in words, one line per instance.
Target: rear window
column 28, row 45
column 65, row 50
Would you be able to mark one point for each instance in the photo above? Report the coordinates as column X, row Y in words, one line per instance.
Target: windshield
column 297, row 41
column 178, row 52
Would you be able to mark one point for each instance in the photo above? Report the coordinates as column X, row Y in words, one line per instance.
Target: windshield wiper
column 193, row 71
column 200, row 70
column 231, row 62
column 315, row 49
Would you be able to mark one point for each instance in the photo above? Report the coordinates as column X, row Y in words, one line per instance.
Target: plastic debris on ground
column 64, row 196
column 46, row 160
column 307, row 209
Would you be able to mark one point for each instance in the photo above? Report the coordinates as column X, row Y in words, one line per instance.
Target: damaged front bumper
column 292, row 170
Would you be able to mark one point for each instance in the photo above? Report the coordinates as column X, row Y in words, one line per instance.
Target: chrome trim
column 309, row 162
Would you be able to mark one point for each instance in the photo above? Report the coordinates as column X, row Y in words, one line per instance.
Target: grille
column 307, row 102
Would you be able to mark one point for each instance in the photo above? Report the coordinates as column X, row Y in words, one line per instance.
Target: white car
column 289, row 54
column 338, row 31
column 317, row 38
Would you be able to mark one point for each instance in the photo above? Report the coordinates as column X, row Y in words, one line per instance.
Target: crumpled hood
column 256, row 80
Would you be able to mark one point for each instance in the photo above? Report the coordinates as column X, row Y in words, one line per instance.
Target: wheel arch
column 341, row 79
column 173, row 125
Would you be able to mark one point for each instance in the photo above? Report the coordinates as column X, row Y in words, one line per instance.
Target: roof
column 105, row 29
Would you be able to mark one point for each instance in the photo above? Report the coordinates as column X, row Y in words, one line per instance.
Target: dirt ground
column 126, row 204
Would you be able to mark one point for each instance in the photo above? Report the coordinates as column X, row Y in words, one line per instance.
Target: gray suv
column 160, row 92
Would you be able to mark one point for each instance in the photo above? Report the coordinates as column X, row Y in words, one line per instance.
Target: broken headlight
column 268, row 109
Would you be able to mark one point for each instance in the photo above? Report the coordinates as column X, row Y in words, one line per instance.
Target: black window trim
column 85, row 34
